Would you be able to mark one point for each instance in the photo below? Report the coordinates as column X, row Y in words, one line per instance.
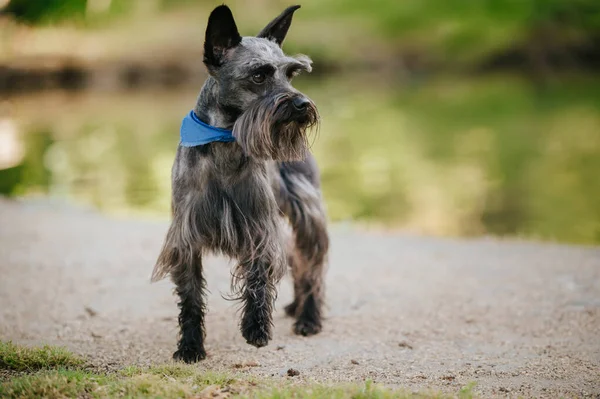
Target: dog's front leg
column 190, row 286
column 258, row 296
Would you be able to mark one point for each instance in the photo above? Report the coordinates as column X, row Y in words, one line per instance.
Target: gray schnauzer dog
column 234, row 197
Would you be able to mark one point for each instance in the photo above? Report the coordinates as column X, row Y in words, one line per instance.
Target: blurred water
column 444, row 156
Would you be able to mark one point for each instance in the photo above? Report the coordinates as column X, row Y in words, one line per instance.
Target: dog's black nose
column 300, row 103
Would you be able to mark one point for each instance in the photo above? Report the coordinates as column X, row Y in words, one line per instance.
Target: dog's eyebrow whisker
column 264, row 68
column 294, row 69
column 304, row 61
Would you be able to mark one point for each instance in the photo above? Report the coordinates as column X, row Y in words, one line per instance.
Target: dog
column 245, row 185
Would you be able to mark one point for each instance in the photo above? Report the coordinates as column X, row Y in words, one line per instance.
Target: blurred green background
column 460, row 118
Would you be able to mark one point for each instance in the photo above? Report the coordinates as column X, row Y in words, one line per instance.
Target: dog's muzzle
column 276, row 127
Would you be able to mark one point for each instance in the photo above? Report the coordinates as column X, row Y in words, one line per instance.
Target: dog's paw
column 290, row 310
column 256, row 333
column 189, row 355
column 256, row 328
column 307, row 327
column 257, row 337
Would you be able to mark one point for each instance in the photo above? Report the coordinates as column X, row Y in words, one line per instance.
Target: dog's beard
column 270, row 130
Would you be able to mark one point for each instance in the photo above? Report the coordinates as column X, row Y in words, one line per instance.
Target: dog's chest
column 249, row 196
column 232, row 212
column 230, row 203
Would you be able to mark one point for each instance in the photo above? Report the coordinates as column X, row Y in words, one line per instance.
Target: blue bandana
column 194, row 132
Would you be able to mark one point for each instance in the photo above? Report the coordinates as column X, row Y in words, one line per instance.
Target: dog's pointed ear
column 221, row 36
column 278, row 28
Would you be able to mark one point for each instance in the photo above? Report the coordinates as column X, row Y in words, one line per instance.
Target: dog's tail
column 178, row 248
column 168, row 257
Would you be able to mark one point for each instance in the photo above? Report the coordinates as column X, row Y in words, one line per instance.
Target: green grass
column 21, row 358
column 56, row 373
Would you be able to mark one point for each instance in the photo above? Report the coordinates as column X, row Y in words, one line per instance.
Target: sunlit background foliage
column 460, row 118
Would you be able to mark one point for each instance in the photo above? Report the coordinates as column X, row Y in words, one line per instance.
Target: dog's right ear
column 221, row 36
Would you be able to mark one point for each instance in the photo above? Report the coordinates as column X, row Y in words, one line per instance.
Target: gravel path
column 421, row 313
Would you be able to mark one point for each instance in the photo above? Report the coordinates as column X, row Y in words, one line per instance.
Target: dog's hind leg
column 303, row 205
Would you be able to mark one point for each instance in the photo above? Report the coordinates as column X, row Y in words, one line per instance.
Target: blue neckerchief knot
column 194, row 132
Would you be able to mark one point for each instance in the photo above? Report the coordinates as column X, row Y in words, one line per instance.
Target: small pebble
column 91, row 312
column 354, row 361
column 293, row 372
column 404, row 344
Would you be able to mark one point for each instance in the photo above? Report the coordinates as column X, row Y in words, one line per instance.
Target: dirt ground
column 517, row 318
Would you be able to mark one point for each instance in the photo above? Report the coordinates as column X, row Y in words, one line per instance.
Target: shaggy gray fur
column 235, row 198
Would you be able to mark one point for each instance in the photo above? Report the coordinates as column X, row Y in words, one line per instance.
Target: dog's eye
column 258, row 77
